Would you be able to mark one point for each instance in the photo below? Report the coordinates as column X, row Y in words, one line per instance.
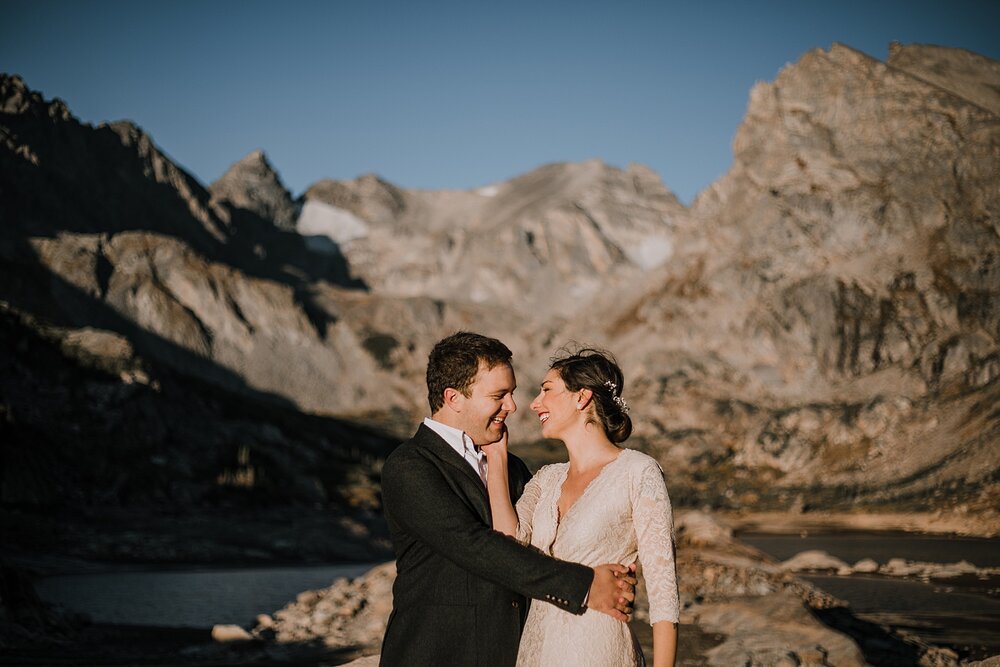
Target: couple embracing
column 476, row 536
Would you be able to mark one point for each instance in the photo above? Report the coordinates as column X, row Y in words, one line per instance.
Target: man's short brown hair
column 455, row 360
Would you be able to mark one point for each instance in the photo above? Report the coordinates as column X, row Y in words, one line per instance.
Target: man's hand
column 613, row 591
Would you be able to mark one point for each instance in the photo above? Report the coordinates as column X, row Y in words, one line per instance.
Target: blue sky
column 446, row 94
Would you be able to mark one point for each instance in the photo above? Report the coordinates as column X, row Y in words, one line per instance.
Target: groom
column 461, row 588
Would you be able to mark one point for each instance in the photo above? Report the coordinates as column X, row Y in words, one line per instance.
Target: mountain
column 253, row 185
column 818, row 330
column 830, row 334
column 545, row 242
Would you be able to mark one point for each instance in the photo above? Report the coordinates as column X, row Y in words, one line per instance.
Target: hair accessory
column 616, row 397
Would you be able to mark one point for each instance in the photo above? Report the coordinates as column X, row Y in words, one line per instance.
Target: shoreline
column 730, row 591
column 928, row 523
column 44, row 566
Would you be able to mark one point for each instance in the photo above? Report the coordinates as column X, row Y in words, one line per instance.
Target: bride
column 608, row 504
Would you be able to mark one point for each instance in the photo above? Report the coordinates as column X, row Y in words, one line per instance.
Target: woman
column 608, row 504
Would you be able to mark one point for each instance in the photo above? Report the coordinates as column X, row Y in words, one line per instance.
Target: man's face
column 490, row 400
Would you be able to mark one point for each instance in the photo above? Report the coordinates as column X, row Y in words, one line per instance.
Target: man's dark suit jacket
column 459, row 596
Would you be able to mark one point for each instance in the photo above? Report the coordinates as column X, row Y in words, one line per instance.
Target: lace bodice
column 623, row 514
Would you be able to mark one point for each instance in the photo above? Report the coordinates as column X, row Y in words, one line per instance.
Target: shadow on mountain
column 31, row 287
column 163, row 455
column 67, row 177
column 260, row 249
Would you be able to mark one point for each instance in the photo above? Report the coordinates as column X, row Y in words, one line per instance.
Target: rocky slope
column 543, row 244
column 830, row 334
column 253, row 185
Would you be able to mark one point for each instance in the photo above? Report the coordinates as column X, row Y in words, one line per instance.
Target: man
column 459, row 595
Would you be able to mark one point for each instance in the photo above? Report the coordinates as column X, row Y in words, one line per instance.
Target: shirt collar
column 455, row 437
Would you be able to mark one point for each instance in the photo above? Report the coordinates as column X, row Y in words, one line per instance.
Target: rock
column 359, row 620
column 992, row 661
column 253, row 184
column 367, row 661
column 898, row 567
column 866, row 566
column 938, row 657
column 227, row 634
column 772, row 630
column 951, row 570
column 307, row 598
column 700, row 529
column 813, row 560
column 968, row 75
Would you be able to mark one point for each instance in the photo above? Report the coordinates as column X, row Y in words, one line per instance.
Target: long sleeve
column 654, row 529
column 526, row 508
column 421, row 502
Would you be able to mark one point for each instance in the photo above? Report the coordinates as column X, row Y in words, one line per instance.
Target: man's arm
column 451, row 528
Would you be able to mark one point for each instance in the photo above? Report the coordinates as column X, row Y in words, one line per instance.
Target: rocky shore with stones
column 820, row 561
column 739, row 607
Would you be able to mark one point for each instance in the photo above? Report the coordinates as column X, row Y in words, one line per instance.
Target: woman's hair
column 598, row 371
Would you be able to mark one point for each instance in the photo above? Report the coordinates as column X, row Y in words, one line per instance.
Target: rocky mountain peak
column 253, row 184
column 584, row 226
column 833, row 268
column 16, row 98
column 368, row 197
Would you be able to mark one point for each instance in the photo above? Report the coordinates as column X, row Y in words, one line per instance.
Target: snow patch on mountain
column 337, row 224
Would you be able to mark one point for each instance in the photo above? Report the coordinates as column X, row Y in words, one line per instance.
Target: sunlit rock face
column 544, row 244
column 833, row 322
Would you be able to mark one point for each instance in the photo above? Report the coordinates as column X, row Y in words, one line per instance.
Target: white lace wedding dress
column 624, row 513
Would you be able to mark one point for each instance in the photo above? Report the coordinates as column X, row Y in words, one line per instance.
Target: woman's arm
column 664, row 644
column 504, row 516
column 653, row 520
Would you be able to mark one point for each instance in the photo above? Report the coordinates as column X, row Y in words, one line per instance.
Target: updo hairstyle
column 598, row 371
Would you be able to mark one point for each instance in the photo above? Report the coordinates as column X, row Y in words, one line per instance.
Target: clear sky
column 447, row 94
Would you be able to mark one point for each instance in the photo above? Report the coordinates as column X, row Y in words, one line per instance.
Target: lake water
column 962, row 613
column 192, row 599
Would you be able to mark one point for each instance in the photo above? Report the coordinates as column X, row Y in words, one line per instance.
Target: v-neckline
column 561, row 516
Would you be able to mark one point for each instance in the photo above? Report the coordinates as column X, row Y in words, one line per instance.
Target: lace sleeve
column 654, row 530
column 525, row 507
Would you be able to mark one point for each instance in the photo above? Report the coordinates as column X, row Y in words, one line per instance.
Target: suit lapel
column 431, row 441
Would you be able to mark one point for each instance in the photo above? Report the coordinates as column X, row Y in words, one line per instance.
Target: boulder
column 865, row 566
column 228, row 634
column 813, row 560
column 700, row 529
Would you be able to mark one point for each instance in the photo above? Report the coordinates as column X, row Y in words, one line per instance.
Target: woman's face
column 557, row 407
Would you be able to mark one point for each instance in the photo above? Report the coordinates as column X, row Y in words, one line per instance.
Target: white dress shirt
column 461, row 443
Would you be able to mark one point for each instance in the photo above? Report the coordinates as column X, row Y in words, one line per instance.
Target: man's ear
column 584, row 398
column 454, row 399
